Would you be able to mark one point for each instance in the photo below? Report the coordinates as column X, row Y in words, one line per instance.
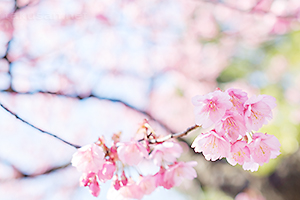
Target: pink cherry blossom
column 211, row 107
column 232, row 125
column 258, row 111
column 159, row 177
column 167, row 151
column 263, row 147
column 131, row 153
column 238, row 98
column 107, row 172
column 212, row 145
column 131, row 190
column 251, row 165
column 239, row 153
column 89, row 158
column 178, row 172
column 249, row 195
column 124, row 179
column 116, row 182
column 90, row 180
column 147, row 184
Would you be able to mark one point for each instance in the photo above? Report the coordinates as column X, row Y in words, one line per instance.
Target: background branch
column 55, row 136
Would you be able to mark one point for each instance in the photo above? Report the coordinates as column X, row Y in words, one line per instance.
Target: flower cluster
column 235, row 118
column 99, row 163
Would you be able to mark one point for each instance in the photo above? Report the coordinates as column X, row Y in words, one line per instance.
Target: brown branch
column 170, row 136
column 21, row 175
column 147, row 114
column 55, row 136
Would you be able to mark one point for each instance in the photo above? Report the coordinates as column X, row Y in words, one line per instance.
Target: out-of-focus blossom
column 251, row 165
column 89, row 158
column 167, row 151
column 249, row 195
column 131, row 191
column 178, row 172
column 147, row 184
column 90, row 180
column 107, row 172
column 131, row 153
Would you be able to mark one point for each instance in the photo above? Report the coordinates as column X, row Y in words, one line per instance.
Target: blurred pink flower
column 176, row 173
column 131, row 190
column 147, row 184
column 107, row 172
column 251, row 165
column 90, row 180
column 211, row 107
column 212, row 145
column 167, row 151
column 89, row 158
column 124, row 179
column 132, row 152
column 249, row 195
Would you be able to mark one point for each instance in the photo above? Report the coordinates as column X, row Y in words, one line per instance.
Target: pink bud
column 124, row 179
column 116, row 183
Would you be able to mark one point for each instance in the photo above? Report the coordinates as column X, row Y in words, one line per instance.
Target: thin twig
column 55, row 136
column 172, row 135
column 151, row 141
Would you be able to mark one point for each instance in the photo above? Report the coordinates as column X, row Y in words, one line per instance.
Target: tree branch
column 172, row 135
column 147, row 114
column 55, row 136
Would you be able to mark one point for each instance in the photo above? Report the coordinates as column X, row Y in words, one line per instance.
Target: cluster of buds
column 235, row 118
column 99, row 163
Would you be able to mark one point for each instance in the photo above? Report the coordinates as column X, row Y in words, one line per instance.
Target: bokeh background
column 86, row 68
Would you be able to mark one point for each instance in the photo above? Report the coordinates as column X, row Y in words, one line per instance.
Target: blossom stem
column 173, row 135
column 55, row 136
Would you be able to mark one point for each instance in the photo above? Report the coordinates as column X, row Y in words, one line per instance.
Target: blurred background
column 86, row 68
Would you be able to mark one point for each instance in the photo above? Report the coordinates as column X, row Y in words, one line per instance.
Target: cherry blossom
column 90, row 180
column 167, row 151
column 231, row 112
column 107, row 172
column 239, row 153
column 251, row 165
column 212, row 145
column 249, row 195
column 232, row 125
column 211, row 107
column 89, row 158
column 178, row 172
column 258, row 111
column 131, row 190
column 263, row 147
column 233, row 136
column 131, row 153
column 238, row 98
column 147, row 184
